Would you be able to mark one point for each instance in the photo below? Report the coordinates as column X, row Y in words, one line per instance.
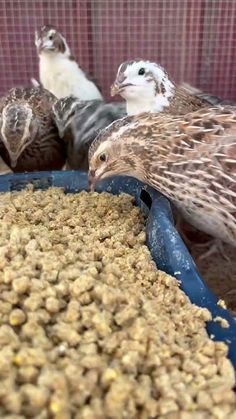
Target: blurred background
column 195, row 40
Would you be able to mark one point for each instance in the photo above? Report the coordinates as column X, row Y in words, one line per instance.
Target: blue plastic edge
column 166, row 246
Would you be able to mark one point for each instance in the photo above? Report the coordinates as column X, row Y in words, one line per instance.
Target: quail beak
column 14, row 151
column 61, row 131
column 42, row 46
column 118, row 87
column 92, row 180
column 115, row 88
column 13, row 158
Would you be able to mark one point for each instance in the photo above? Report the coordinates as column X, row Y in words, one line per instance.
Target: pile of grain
column 89, row 328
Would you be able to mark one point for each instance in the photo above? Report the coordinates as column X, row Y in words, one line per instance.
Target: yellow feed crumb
column 90, row 329
column 223, row 322
column 222, row 304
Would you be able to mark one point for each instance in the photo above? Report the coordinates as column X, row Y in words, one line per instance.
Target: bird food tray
column 164, row 242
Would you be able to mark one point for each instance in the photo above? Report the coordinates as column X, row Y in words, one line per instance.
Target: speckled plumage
column 209, row 98
column 190, row 159
column 27, row 128
column 184, row 102
column 79, row 122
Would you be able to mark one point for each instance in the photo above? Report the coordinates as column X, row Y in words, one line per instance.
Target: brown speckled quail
column 29, row 139
column 191, row 159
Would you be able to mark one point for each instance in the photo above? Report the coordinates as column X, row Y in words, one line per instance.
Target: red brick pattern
column 194, row 39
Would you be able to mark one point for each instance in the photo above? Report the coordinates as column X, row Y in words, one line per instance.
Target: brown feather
column 191, row 159
column 47, row 150
column 183, row 102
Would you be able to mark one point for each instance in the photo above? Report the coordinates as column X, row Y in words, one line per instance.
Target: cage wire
column 193, row 39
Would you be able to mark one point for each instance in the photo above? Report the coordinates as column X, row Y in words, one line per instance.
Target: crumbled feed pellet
column 223, row 322
column 221, row 303
column 89, row 327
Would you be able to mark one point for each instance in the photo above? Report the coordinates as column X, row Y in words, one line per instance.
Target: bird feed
column 89, row 327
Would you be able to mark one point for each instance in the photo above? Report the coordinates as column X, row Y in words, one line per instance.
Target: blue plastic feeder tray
column 165, row 244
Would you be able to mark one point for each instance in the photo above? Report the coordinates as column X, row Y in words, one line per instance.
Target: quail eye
column 141, row 71
column 102, row 157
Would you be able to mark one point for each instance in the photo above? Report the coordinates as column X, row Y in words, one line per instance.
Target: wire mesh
column 193, row 39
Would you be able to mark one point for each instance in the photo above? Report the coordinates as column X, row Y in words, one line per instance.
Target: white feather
column 141, row 95
column 63, row 77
